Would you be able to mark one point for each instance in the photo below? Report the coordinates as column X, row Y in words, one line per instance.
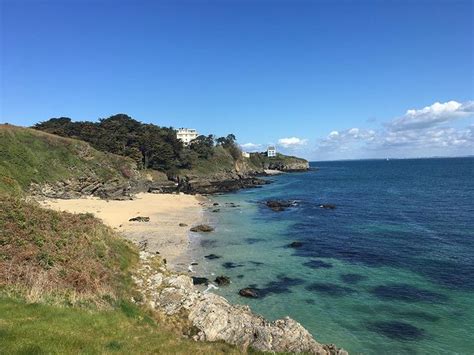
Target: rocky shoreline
column 120, row 190
column 212, row 318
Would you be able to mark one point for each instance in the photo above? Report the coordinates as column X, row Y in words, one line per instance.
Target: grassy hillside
column 59, row 257
column 65, row 287
column 219, row 163
column 28, row 155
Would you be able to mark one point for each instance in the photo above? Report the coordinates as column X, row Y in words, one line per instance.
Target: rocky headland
column 213, row 318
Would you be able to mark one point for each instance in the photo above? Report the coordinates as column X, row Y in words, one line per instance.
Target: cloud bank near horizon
column 419, row 132
column 432, row 130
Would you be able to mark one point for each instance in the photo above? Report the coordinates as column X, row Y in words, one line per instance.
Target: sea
column 390, row 270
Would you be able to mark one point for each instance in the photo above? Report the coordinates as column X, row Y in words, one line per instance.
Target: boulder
column 200, row 280
column 183, row 225
column 248, row 292
column 202, row 228
column 222, row 281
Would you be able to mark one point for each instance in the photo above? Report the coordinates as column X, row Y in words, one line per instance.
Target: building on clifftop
column 186, row 135
column 271, row 152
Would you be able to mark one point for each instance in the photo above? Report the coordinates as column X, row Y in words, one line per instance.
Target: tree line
column 151, row 146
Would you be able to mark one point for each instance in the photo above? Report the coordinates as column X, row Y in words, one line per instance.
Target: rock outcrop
column 280, row 205
column 217, row 184
column 288, row 166
column 215, row 319
column 115, row 189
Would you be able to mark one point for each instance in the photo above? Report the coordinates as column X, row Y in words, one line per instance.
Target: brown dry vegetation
column 47, row 255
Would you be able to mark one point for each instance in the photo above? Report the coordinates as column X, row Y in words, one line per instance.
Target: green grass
column 44, row 329
column 27, row 156
column 219, row 162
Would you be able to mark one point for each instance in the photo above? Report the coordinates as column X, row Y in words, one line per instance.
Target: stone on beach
column 139, row 219
column 202, row 228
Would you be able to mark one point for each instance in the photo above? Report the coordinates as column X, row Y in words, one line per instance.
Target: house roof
column 271, row 148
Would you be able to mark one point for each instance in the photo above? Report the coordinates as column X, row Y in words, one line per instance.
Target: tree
column 203, row 146
column 230, row 145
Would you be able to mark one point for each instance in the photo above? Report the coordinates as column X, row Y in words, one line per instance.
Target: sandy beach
column 162, row 233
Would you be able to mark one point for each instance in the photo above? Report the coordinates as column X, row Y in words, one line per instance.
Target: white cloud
column 346, row 137
column 420, row 132
column 433, row 115
column 292, row 142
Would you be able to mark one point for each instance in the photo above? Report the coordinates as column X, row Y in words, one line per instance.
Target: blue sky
column 321, row 79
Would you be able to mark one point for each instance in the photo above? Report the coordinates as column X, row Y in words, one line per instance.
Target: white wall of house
column 271, row 152
column 186, row 135
column 246, row 155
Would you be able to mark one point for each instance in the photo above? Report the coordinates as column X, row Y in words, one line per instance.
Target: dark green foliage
column 229, row 143
column 149, row 145
column 203, row 146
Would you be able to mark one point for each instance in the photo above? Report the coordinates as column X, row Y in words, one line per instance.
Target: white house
column 186, row 135
column 246, row 155
column 271, row 152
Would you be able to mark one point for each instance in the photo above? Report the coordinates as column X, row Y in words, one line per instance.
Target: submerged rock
column 295, row 244
column 222, row 280
column 200, row 280
column 279, row 206
column 327, row 206
column 139, row 219
column 248, row 292
column 202, row 228
column 212, row 256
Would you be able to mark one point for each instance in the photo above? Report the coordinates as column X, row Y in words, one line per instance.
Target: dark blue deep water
column 390, row 270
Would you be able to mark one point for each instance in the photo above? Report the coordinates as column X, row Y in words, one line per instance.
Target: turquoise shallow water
column 390, row 270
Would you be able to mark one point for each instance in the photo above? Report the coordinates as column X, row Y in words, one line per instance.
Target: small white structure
column 186, row 135
column 246, row 155
column 271, row 152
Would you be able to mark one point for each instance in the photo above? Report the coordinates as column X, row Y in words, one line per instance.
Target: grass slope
column 54, row 256
column 28, row 155
column 45, row 329
column 65, row 287
column 221, row 162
